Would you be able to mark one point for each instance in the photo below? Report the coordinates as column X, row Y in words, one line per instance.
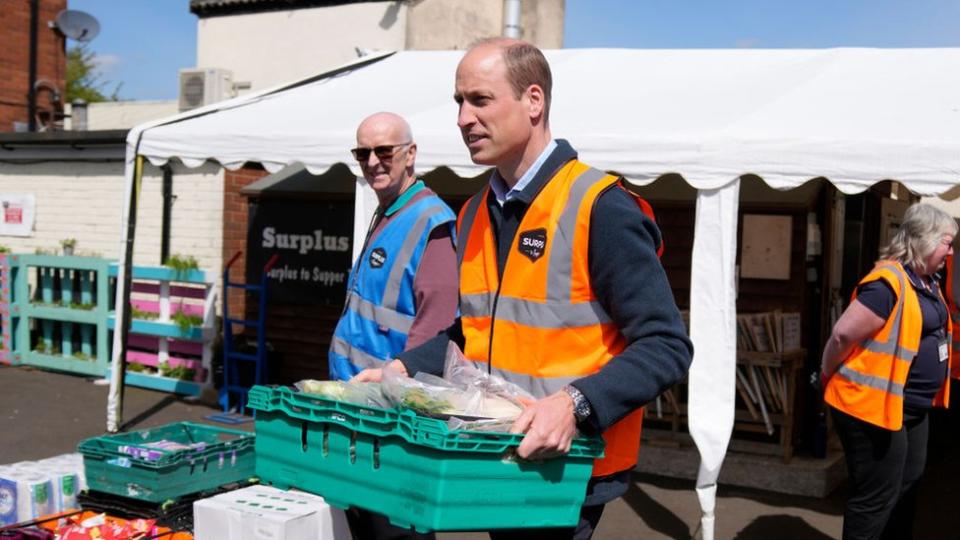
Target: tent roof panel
column 855, row 116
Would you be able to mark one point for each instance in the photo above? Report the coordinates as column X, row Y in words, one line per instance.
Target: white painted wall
column 123, row 114
column 275, row 47
column 85, row 201
column 456, row 24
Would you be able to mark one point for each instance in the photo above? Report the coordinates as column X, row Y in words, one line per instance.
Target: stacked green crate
column 413, row 469
column 167, row 462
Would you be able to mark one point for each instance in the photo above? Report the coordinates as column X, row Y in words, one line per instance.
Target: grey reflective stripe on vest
column 468, row 217
column 476, row 305
column 890, row 347
column 902, row 354
column 560, row 269
column 549, row 314
column 383, row 316
column 540, row 387
column 392, row 292
column 357, row 357
column 872, row 381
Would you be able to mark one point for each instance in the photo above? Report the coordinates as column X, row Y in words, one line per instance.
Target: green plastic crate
column 122, row 464
column 413, row 469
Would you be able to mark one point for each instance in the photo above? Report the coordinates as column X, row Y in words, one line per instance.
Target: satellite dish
column 77, row 25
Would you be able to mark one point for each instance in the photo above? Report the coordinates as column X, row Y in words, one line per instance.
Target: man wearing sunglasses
column 579, row 311
column 403, row 287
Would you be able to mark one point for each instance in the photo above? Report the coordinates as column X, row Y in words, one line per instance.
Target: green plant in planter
column 143, row 315
column 180, row 372
column 181, row 264
column 68, row 244
column 80, row 355
column 186, row 322
column 4, row 249
column 135, row 367
column 40, row 347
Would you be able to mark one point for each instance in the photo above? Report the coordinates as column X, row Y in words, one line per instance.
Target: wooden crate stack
column 769, row 357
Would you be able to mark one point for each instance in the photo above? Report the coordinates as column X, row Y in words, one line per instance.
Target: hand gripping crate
column 413, row 469
column 151, row 465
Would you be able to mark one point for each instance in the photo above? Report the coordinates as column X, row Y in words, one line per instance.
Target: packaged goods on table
column 258, row 512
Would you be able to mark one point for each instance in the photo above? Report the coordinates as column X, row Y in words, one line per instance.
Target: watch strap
column 581, row 405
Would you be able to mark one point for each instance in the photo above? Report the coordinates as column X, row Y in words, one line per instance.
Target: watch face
column 582, row 411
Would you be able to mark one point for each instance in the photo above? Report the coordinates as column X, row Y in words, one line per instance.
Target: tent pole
column 167, row 211
column 124, row 274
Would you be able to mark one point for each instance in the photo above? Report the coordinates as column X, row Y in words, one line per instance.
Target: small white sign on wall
column 17, row 213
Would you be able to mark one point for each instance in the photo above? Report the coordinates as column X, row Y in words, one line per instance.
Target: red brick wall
column 15, row 58
column 235, row 229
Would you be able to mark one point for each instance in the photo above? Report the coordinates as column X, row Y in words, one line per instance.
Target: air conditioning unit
column 203, row 86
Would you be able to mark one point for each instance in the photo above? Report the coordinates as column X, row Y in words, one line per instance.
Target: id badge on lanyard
column 944, row 350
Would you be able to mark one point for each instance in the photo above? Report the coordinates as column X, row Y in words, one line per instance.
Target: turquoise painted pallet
column 68, row 308
column 56, row 312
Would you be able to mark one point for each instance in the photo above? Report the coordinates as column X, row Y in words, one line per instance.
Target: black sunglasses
column 384, row 152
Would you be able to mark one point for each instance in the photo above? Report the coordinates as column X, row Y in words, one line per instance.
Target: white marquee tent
column 853, row 116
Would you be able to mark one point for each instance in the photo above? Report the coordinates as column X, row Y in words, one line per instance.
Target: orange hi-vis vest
column 540, row 325
column 869, row 383
column 953, row 305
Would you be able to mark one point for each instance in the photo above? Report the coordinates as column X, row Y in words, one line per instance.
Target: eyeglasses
column 383, row 152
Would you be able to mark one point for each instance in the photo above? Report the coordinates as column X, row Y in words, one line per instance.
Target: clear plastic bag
column 429, row 395
column 501, row 399
column 464, row 394
column 359, row 393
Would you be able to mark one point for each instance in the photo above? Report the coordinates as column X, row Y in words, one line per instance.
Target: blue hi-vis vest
column 380, row 307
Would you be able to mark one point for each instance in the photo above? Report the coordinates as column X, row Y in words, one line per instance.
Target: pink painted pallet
column 6, row 305
column 149, row 350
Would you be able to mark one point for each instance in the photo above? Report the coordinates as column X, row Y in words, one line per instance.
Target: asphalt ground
column 43, row 414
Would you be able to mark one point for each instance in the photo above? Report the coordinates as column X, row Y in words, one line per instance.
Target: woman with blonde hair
column 886, row 364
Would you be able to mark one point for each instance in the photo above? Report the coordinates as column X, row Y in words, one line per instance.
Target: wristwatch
column 581, row 406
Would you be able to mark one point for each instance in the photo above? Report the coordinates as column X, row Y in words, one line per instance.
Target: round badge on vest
column 532, row 244
column 378, row 257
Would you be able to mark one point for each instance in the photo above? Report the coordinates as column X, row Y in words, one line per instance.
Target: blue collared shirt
column 499, row 187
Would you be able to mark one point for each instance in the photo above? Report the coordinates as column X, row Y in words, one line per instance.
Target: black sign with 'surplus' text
column 313, row 241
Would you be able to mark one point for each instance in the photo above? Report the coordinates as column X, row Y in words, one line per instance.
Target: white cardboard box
column 267, row 513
